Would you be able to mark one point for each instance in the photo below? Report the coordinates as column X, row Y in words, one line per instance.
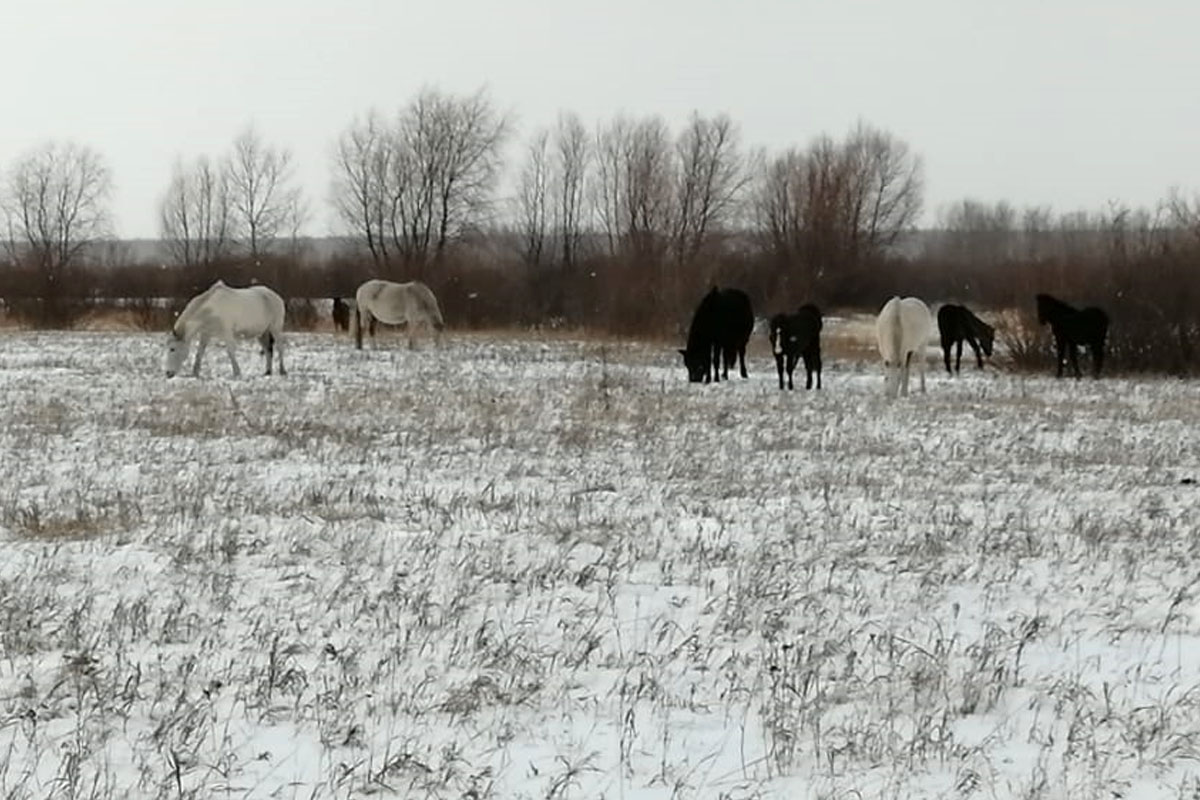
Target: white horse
column 395, row 304
column 227, row 312
column 903, row 330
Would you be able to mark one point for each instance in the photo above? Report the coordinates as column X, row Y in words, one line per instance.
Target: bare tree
column 571, row 160
column 885, row 190
column 834, row 208
column 262, row 198
column 606, row 189
column 408, row 190
column 55, row 206
column 797, row 207
column 446, row 172
column 711, row 177
column 363, row 194
column 532, row 201
column 194, row 215
column 633, row 186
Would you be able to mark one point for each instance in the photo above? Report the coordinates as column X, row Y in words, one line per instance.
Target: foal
column 795, row 336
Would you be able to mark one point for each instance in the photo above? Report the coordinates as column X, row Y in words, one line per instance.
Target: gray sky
column 1070, row 103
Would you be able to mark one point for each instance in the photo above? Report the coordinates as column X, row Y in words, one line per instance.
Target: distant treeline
column 620, row 227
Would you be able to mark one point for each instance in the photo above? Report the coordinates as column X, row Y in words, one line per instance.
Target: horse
column 341, row 314
column 395, row 304
column 1073, row 328
column 956, row 324
column 721, row 326
column 227, row 312
column 795, row 336
column 902, row 330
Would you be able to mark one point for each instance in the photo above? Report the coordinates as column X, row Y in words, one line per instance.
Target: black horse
column 796, row 336
column 721, row 326
column 341, row 314
column 957, row 324
column 1072, row 328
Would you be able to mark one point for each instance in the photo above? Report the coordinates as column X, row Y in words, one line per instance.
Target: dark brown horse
column 1072, row 328
column 720, row 327
column 957, row 324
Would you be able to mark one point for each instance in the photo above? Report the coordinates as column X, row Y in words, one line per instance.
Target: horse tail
column 898, row 335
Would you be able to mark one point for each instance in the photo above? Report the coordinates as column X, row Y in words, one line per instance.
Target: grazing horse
column 721, row 326
column 341, row 314
column 902, row 330
column 795, row 336
column 395, row 304
column 227, row 312
column 956, row 324
column 1073, row 328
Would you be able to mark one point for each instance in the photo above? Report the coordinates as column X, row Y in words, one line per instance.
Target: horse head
column 987, row 338
column 697, row 363
column 774, row 334
column 177, row 350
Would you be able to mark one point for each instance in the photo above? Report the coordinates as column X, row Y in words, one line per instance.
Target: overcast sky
column 1070, row 103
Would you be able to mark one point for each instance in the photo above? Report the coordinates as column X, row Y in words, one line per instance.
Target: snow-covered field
column 519, row 568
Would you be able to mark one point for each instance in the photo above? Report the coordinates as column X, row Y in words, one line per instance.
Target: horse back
column 724, row 318
column 950, row 321
column 799, row 332
column 1094, row 322
column 903, row 326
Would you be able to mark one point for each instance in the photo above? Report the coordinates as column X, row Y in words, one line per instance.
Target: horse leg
column 1074, row 351
column 978, row 352
column 791, row 368
column 200, row 348
column 742, row 362
column 278, row 338
column 237, row 371
column 904, row 374
column 1097, row 358
column 958, row 358
column 920, row 359
column 1061, row 348
column 779, row 368
column 268, row 347
column 946, row 345
column 358, row 326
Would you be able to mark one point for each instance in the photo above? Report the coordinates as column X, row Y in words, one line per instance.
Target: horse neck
column 194, row 311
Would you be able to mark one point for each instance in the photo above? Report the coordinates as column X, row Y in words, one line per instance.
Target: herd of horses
column 257, row 311
column 723, row 321
column 717, row 337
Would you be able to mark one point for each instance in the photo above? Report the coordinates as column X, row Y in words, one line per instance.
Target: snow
column 524, row 567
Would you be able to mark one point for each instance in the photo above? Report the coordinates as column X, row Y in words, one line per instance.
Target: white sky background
column 1070, row 103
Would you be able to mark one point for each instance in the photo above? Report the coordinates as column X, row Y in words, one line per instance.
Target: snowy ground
column 513, row 568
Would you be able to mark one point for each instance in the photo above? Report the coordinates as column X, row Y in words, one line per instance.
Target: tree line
column 618, row 226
